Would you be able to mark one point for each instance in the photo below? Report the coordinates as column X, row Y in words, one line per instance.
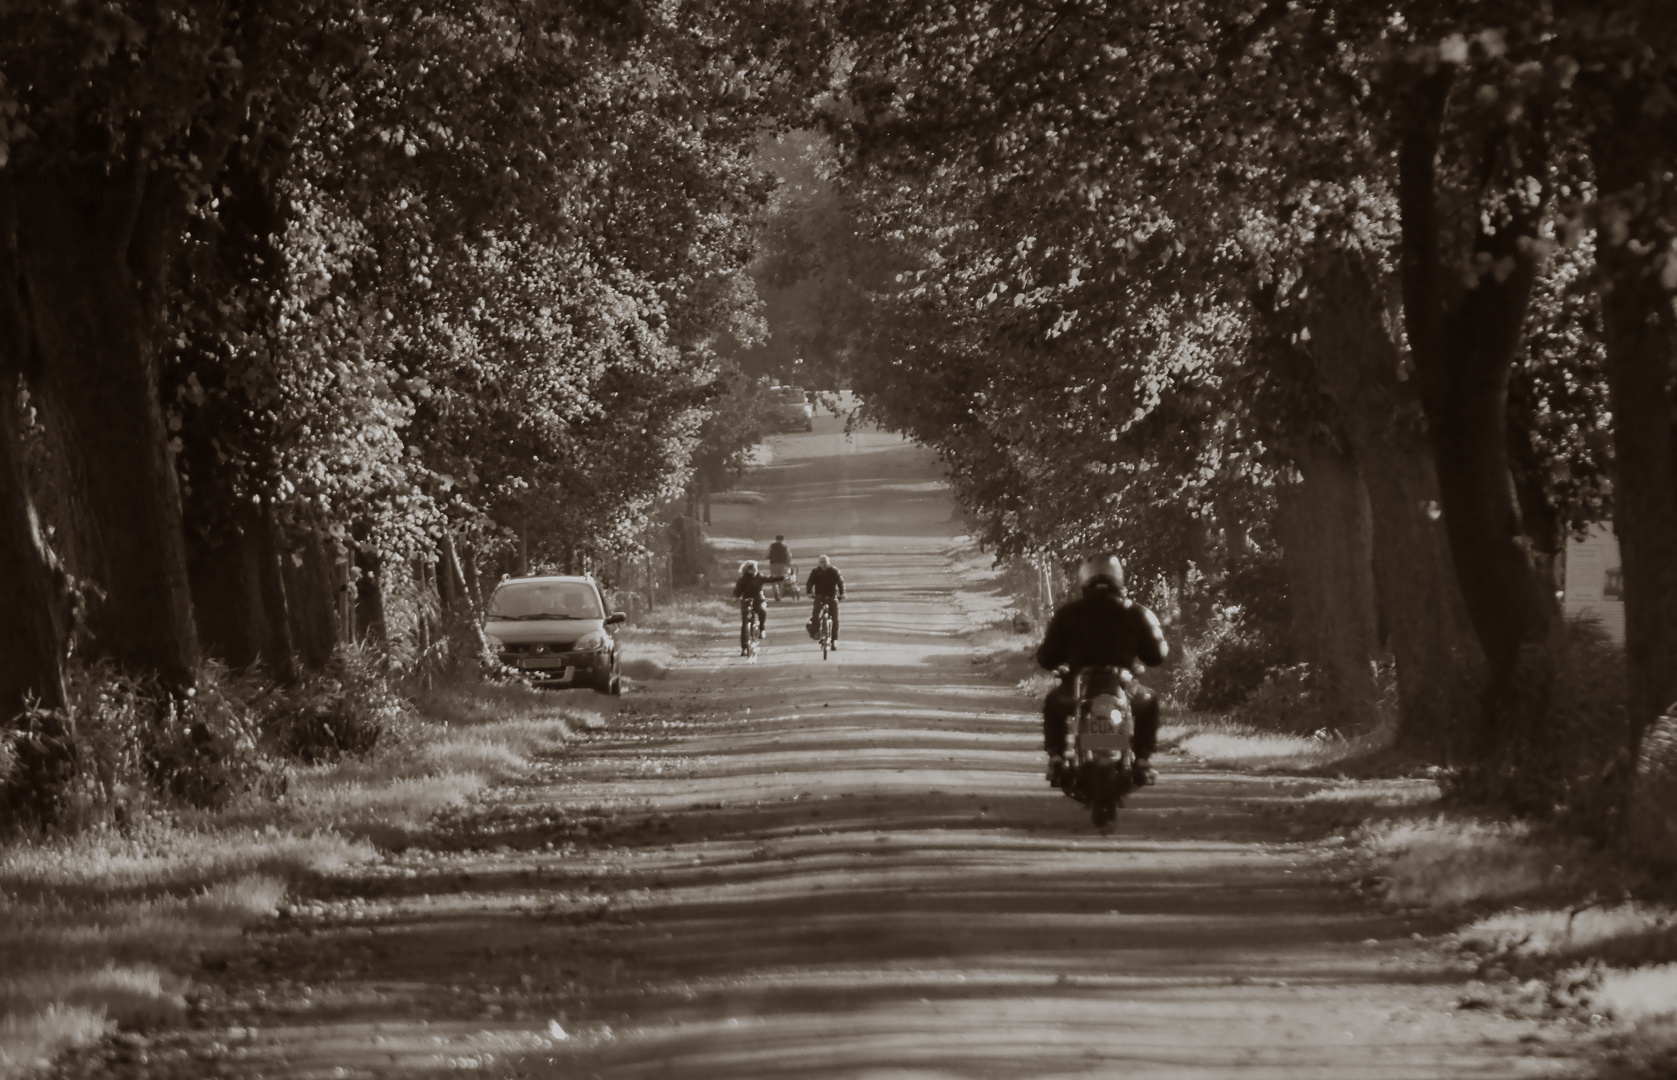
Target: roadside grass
column 693, row 621
column 102, row 928
column 739, row 498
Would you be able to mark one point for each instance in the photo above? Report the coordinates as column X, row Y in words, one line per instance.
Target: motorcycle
column 1097, row 768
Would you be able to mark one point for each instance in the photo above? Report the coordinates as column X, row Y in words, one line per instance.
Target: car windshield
column 545, row 600
column 791, row 395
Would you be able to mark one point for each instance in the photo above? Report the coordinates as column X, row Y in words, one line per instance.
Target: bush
column 347, row 709
column 1289, row 700
column 1217, row 668
column 37, row 765
column 1570, row 707
column 123, row 744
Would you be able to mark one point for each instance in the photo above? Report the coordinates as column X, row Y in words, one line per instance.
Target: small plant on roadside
column 346, row 709
column 1571, row 708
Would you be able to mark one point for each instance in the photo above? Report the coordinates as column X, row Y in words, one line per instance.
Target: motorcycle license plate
column 1100, row 732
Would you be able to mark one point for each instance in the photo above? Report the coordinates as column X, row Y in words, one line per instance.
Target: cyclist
column 1103, row 626
column 826, row 584
column 780, row 562
column 750, row 587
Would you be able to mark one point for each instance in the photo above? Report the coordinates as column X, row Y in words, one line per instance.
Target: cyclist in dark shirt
column 1103, row 626
column 826, row 584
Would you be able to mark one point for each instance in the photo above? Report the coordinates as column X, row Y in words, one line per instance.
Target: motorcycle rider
column 750, row 587
column 826, row 584
column 1103, row 626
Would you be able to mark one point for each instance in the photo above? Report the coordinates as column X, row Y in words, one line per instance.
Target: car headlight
column 593, row 641
column 494, row 642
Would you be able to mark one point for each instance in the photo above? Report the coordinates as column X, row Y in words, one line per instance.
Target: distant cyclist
column 780, row 562
column 826, row 584
column 749, row 587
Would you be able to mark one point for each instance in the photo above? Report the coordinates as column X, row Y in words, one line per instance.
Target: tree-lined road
column 854, row 869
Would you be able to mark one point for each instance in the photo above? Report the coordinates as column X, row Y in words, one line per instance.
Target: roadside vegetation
column 105, row 917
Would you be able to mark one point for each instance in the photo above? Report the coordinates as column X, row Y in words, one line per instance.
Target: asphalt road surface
column 848, row 868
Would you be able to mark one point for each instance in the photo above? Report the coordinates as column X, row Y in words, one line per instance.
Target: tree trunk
column 1421, row 608
column 1323, row 525
column 369, row 595
column 227, row 594
column 278, row 652
column 1464, row 340
column 31, row 639
column 474, row 578
column 78, row 232
column 1633, row 151
column 308, row 588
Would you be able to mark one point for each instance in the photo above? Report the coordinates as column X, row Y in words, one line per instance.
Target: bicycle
column 751, row 631
column 824, row 627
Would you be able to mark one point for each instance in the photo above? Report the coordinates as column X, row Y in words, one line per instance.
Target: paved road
column 853, row 869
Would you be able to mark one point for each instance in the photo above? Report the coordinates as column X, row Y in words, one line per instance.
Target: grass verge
column 103, row 928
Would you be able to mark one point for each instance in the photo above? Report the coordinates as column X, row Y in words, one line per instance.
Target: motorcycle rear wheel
column 1105, row 799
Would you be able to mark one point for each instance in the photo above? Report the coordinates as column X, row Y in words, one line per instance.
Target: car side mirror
column 616, row 617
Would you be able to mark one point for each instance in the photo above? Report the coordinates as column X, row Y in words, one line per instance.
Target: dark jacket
column 1102, row 629
column 779, row 554
column 750, row 586
column 824, row 581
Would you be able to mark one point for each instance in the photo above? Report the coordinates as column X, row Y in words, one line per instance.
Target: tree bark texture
column 227, row 594
column 1421, row 609
column 369, row 596
column 31, row 640
column 1324, row 528
column 312, row 600
column 80, row 231
column 1633, row 152
column 280, row 654
column 1464, row 340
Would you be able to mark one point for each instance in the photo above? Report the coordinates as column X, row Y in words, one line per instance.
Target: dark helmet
column 1098, row 570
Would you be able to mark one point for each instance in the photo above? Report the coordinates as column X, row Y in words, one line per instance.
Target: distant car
column 793, row 412
column 556, row 631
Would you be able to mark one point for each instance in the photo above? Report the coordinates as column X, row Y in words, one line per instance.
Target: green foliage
column 350, row 708
column 124, row 746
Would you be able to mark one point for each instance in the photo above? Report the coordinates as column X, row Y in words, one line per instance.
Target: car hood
column 560, row 632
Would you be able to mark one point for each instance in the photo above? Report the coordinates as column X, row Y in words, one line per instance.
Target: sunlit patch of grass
column 735, row 547
column 1637, row 995
column 1217, row 740
column 738, row 498
column 1444, row 861
column 470, row 737
column 647, row 656
column 28, row 1040
column 1623, row 934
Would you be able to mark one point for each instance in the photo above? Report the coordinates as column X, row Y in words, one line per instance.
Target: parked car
column 793, row 410
column 556, row 631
